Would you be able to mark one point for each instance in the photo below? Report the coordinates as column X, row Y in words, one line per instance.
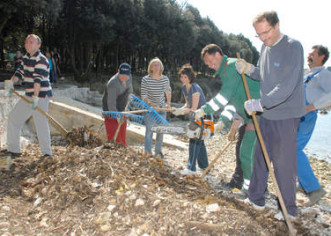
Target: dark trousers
column 197, row 153
column 280, row 139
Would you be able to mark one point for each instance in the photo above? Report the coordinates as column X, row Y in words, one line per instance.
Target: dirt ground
column 91, row 188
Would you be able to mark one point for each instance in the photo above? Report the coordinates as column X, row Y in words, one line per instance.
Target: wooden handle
column 215, row 159
column 57, row 124
column 145, row 110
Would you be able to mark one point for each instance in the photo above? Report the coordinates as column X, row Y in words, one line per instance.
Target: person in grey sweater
column 280, row 72
column 115, row 98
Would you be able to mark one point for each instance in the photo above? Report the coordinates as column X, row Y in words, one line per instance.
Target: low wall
column 72, row 117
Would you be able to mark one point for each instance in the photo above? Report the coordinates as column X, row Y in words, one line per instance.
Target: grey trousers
column 19, row 115
column 280, row 140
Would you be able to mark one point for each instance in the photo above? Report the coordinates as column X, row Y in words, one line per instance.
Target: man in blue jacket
column 317, row 84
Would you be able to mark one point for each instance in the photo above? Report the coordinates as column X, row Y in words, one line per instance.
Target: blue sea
column 319, row 145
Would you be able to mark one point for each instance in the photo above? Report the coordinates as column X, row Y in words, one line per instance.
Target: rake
column 150, row 111
column 122, row 115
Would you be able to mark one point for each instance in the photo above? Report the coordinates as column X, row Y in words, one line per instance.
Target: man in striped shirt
column 34, row 73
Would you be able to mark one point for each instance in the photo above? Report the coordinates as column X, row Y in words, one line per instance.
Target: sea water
column 319, row 145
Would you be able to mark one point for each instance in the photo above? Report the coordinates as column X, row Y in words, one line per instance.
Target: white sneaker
column 256, row 207
column 280, row 216
column 187, row 172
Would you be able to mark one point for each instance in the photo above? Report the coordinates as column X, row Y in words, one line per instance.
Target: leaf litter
column 91, row 188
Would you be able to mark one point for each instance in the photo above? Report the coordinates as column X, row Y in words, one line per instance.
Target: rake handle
column 57, row 124
column 267, row 159
column 119, row 122
column 145, row 110
column 215, row 159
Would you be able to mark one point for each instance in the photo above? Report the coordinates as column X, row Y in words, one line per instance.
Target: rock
column 105, row 227
column 212, row 207
column 156, row 203
column 5, row 208
column 309, row 212
column 103, row 218
column 139, row 202
column 4, row 225
column 111, row 207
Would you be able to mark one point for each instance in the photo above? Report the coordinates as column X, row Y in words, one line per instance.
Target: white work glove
column 34, row 102
column 253, row 105
column 179, row 111
column 218, row 127
column 199, row 114
column 9, row 85
column 242, row 66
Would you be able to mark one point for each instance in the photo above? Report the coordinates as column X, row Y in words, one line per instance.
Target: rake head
column 151, row 113
column 116, row 114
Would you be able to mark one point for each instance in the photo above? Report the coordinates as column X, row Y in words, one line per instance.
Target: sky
column 309, row 22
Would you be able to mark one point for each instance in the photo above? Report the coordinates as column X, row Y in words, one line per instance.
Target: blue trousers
column 280, row 141
column 149, row 122
column 306, row 177
column 197, row 153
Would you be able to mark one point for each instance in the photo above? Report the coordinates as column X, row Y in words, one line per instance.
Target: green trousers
column 247, row 152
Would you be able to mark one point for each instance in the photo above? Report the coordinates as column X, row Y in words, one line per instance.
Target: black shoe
column 233, row 184
column 46, row 156
column 228, row 187
column 5, row 152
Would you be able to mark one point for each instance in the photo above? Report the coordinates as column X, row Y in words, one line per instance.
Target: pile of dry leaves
column 94, row 189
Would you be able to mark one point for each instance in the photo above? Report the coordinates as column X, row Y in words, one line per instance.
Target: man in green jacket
column 231, row 99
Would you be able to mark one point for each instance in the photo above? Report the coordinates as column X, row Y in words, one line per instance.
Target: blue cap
column 125, row 69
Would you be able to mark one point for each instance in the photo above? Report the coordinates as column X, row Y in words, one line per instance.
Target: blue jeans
column 306, row 177
column 149, row 135
column 197, row 152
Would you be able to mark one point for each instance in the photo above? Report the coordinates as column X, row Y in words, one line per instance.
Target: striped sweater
column 35, row 69
column 155, row 89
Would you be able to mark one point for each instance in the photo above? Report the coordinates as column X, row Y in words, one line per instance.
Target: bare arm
column 168, row 95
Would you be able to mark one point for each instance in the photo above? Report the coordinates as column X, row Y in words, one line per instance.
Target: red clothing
column 111, row 127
